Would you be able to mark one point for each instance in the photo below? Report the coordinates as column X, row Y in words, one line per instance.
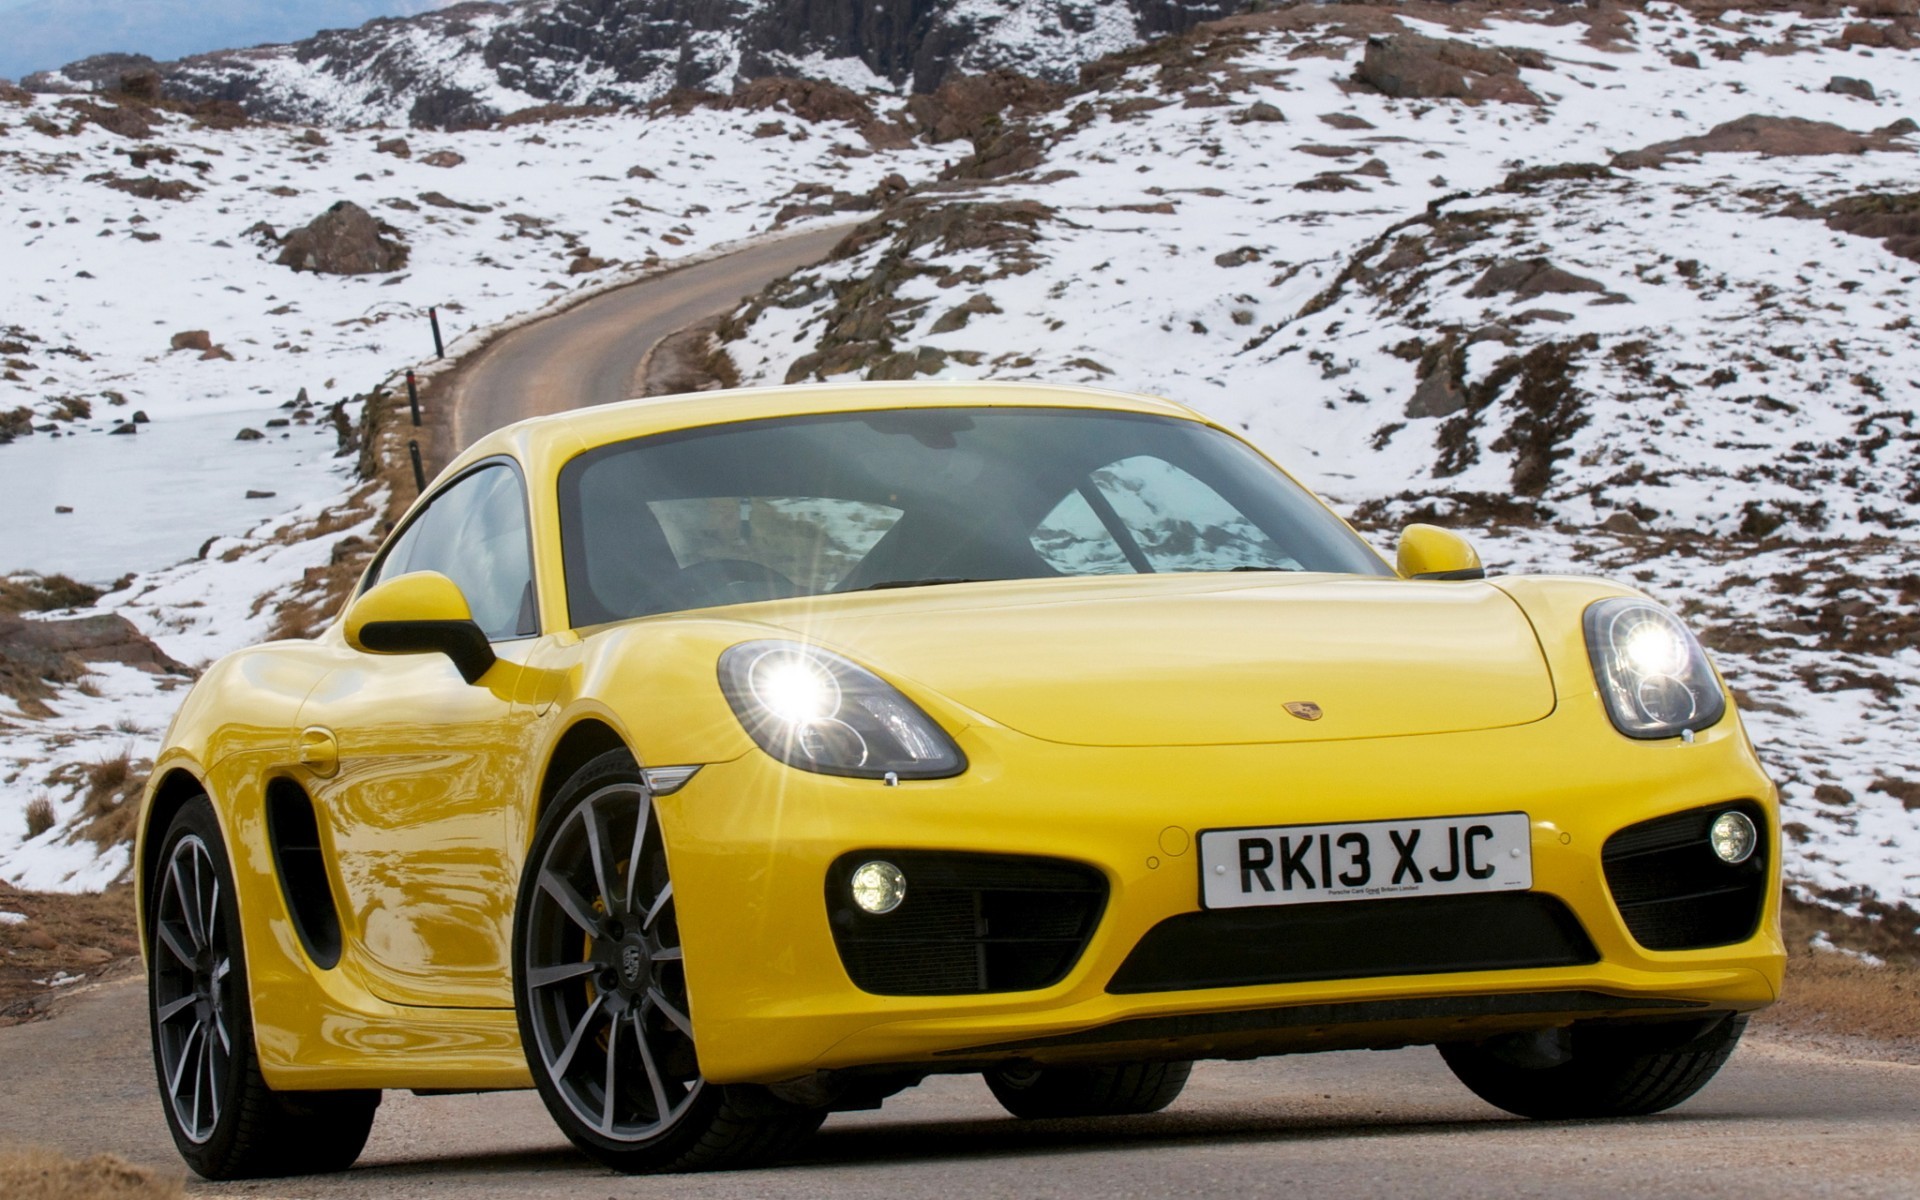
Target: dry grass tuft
column 113, row 798
column 111, row 789
column 33, row 1174
column 44, row 593
column 39, row 816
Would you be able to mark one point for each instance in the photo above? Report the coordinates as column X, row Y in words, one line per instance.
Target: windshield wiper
column 907, row 583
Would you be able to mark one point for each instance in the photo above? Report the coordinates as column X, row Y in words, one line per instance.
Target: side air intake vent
column 304, row 881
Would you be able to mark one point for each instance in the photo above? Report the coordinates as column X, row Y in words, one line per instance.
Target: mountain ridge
column 469, row 64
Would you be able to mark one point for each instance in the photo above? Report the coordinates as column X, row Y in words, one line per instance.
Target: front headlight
column 814, row 710
column 1653, row 674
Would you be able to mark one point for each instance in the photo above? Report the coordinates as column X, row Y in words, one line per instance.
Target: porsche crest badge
column 1306, row 710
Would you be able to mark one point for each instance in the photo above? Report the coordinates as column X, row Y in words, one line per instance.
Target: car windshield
column 902, row 498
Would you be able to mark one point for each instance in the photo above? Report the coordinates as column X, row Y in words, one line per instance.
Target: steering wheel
column 729, row 581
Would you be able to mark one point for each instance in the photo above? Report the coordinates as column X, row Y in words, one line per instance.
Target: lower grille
column 970, row 923
column 1355, row 939
column 1672, row 890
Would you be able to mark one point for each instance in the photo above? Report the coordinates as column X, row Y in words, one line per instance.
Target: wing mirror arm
column 461, row 641
column 421, row 612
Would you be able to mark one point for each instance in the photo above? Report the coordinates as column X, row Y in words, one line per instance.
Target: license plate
column 1365, row 860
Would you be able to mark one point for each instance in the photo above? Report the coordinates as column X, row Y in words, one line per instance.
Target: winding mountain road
column 1781, row 1120
column 593, row 352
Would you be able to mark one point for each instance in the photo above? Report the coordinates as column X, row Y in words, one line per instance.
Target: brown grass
column 44, row 593
column 1837, row 997
column 111, row 789
column 113, row 798
column 39, row 816
column 90, row 934
column 33, row 1174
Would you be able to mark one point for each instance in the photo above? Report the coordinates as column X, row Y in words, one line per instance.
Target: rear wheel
column 226, row 1121
column 601, row 992
column 1596, row 1071
column 1129, row 1089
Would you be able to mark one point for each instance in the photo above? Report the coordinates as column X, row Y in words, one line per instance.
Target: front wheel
column 225, row 1120
column 1596, row 1071
column 1129, row 1089
column 600, row 988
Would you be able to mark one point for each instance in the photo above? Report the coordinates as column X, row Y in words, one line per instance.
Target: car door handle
column 319, row 751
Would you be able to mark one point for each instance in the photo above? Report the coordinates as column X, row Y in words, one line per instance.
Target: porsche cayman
column 712, row 764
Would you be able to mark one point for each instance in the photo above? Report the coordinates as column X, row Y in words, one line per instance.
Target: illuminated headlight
column 1654, row 676
column 815, row 710
column 1732, row 837
column 878, row 887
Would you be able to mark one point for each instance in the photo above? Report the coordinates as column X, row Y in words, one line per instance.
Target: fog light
column 879, row 887
column 1733, row 837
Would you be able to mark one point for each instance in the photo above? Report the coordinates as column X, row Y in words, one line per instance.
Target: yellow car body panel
column 1437, row 698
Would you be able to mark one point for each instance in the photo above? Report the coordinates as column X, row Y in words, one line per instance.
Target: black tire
column 226, row 1121
column 1608, row 1071
column 599, row 986
column 1129, row 1089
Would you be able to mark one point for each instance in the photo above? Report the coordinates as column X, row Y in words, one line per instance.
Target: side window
column 1181, row 524
column 475, row 533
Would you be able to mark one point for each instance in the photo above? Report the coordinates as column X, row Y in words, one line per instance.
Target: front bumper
column 752, row 842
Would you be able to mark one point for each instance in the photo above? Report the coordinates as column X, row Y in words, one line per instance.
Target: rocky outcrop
column 37, row 656
column 1414, row 67
column 1769, row 136
column 344, row 240
column 419, row 70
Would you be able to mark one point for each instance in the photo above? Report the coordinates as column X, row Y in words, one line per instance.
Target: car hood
column 1200, row 660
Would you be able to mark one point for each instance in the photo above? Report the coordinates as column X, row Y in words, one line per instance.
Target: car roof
column 542, row 444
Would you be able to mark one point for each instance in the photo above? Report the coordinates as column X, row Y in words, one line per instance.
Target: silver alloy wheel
column 603, row 972
column 193, row 968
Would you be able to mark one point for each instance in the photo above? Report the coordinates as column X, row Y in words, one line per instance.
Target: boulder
column 443, row 158
column 193, row 339
column 395, row 146
column 344, row 240
column 1411, row 66
column 1526, row 278
column 34, row 654
column 1846, row 85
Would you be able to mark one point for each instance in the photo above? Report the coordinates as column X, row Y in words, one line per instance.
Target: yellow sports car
column 715, row 763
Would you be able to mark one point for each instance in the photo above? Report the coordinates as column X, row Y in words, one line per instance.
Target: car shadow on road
column 871, row 1144
column 931, row 1141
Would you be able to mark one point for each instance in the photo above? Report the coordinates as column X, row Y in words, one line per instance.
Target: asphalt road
column 1781, row 1120
column 592, row 353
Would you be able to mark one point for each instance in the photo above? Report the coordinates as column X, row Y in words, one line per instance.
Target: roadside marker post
column 419, row 471
column 433, row 318
column 413, row 397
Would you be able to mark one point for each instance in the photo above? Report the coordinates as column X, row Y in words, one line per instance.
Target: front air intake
column 967, row 924
column 1674, row 892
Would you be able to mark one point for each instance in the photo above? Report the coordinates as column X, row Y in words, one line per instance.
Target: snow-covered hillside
column 474, row 62
column 1698, row 372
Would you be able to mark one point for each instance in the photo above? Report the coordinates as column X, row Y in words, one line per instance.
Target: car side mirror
column 1430, row 552
column 420, row 613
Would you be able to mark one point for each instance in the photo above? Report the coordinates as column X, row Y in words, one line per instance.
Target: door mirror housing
column 1430, row 552
column 420, row 613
